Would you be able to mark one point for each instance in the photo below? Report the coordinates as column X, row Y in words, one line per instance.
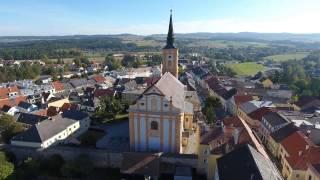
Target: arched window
column 154, row 125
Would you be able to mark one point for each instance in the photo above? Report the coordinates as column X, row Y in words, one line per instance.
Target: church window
column 187, row 119
column 154, row 125
column 165, row 105
column 169, row 63
column 142, row 104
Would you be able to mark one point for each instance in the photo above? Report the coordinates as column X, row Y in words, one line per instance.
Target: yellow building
column 162, row 119
column 313, row 172
column 267, row 83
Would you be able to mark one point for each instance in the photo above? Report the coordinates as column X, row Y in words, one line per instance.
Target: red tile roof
column 232, row 122
column 58, row 86
column 99, row 79
column 4, row 92
column 239, row 99
column 12, row 102
column 211, row 135
column 301, row 151
column 41, row 112
column 52, row 111
column 68, row 106
column 104, row 92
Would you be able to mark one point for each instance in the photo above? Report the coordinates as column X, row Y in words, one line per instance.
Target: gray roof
column 274, row 119
column 44, row 130
column 246, row 163
column 248, row 107
column 171, row 87
column 77, row 83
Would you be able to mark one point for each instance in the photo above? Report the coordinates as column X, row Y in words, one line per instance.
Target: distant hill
column 248, row 36
column 201, row 35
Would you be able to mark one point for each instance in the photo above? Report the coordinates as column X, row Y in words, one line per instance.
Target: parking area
column 116, row 138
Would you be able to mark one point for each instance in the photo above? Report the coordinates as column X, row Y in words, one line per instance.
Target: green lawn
column 287, row 57
column 246, row 69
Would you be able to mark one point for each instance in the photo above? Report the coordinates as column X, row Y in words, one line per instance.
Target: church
column 161, row 120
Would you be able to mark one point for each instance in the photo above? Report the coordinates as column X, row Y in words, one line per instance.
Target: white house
column 47, row 133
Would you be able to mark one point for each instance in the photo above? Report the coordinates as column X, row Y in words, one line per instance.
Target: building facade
column 161, row 120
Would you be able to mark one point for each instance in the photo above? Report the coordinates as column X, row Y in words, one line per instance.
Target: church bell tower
column 170, row 53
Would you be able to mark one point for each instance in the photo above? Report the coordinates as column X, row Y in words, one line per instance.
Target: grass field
column 225, row 44
column 246, row 69
column 287, row 57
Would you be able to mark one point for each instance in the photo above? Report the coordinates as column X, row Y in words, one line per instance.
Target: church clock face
column 170, row 57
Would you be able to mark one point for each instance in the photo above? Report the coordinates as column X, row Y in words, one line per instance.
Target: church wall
column 136, row 135
column 173, row 136
column 154, row 143
column 166, row 145
column 143, row 143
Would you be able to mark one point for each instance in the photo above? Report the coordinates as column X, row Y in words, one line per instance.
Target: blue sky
column 67, row 17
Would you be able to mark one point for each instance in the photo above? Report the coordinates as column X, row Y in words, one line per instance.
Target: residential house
column 99, row 79
column 47, row 133
column 10, row 110
column 90, row 104
column 57, row 102
column 45, row 79
column 255, row 117
column 225, row 94
column 245, row 163
column 237, row 100
column 313, row 172
column 277, row 136
column 99, row 93
column 26, row 107
column 206, row 158
column 30, row 118
column 266, row 83
column 82, row 83
column 297, row 151
column 77, row 115
column 270, row 123
column 198, row 72
column 10, row 96
column 58, row 86
column 248, row 107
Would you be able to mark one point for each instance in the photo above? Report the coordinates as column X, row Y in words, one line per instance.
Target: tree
column 128, row 60
column 210, row 105
column 210, row 114
column 112, row 63
column 213, row 101
column 109, row 108
column 6, row 167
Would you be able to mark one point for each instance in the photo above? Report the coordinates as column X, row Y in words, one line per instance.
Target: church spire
column 170, row 38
